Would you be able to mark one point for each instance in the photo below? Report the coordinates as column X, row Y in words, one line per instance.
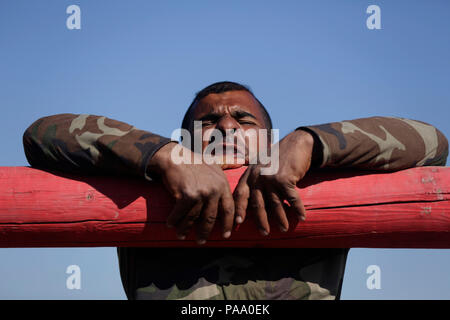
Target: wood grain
column 405, row 209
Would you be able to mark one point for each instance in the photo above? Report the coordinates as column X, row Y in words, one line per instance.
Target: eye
column 206, row 123
column 246, row 122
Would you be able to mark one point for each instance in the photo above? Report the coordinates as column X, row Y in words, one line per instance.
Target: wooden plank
column 405, row 209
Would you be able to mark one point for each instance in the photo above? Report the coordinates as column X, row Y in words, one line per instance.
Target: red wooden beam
column 405, row 209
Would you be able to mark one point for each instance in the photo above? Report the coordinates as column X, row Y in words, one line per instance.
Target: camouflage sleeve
column 90, row 144
column 380, row 143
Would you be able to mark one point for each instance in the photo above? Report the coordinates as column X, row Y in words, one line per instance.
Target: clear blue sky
column 309, row 62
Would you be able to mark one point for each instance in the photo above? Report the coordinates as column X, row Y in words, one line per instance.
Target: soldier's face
column 234, row 112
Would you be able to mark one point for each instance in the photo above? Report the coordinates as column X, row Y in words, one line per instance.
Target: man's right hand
column 201, row 192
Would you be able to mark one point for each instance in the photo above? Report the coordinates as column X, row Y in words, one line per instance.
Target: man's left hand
column 265, row 194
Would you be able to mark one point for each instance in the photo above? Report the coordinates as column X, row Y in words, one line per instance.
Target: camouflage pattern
column 381, row 143
column 232, row 273
column 88, row 144
column 284, row 289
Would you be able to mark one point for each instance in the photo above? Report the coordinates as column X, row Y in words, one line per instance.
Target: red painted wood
column 405, row 209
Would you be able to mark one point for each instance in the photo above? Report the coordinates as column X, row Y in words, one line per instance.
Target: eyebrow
column 236, row 114
column 210, row 116
column 242, row 114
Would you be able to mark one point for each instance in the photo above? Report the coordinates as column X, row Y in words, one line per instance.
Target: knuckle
column 191, row 218
column 257, row 205
column 192, row 195
column 227, row 206
column 275, row 204
column 227, row 213
column 240, row 208
column 222, row 186
column 280, row 178
column 207, row 193
column 203, row 193
column 293, row 199
column 210, row 220
column 241, row 192
column 227, row 210
column 178, row 196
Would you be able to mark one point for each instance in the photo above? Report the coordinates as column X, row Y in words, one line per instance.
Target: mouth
column 229, row 149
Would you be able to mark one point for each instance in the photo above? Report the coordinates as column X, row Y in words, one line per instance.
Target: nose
column 227, row 122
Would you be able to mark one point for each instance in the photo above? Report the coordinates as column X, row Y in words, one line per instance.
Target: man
column 87, row 144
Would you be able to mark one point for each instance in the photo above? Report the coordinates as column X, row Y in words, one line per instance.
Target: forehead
column 227, row 101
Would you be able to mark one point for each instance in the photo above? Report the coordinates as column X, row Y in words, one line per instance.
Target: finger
column 241, row 196
column 258, row 206
column 275, row 205
column 185, row 225
column 207, row 219
column 227, row 210
column 294, row 200
column 182, row 206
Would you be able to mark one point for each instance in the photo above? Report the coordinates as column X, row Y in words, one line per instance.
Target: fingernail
column 239, row 219
column 201, row 241
column 264, row 232
column 181, row 237
column 227, row 234
column 283, row 229
column 303, row 218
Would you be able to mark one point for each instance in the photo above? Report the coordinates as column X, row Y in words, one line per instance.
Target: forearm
column 379, row 143
column 90, row 144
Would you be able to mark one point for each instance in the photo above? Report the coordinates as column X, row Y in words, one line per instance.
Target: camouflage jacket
column 88, row 144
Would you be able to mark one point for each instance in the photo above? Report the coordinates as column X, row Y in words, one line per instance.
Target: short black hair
column 221, row 87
